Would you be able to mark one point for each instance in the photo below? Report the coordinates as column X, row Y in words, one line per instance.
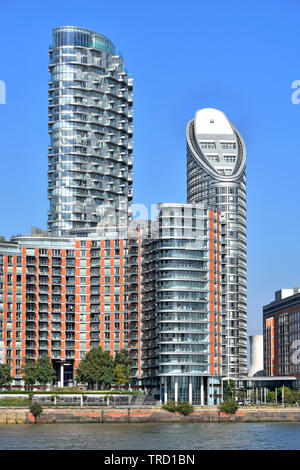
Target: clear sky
column 238, row 56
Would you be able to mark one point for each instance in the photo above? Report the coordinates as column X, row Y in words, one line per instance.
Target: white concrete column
column 212, row 391
column 176, row 390
column 208, row 391
column 190, row 391
column 202, row 391
column 166, row 391
column 222, row 383
column 62, row 371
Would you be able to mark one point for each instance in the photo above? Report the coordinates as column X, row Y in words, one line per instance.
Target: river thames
column 210, row 436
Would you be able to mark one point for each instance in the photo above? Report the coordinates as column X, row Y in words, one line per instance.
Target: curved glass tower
column 90, row 127
column 216, row 176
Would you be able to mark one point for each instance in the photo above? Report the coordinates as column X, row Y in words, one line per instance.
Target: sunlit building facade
column 172, row 291
column 90, row 127
column 61, row 297
column 156, row 293
column 216, row 176
column 281, row 323
column 181, row 305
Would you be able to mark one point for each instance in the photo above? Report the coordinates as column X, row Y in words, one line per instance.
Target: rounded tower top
column 76, row 36
column 212, row 121
column 216, row 144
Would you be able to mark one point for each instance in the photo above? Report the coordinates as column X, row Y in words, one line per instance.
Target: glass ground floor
column 198, row 390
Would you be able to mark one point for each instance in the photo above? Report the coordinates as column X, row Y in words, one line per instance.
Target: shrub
column 170, row 406
column 14, row 402
column 229, row 407
column 35, row 409
column 30, row 395
column 184, row 408
column 73, row 389
column 68, row 391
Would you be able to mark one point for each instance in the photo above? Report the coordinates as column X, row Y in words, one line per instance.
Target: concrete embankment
column 146, row 415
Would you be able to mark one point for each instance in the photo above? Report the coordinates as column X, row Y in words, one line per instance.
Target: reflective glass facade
column 216, row 176
column 181, row 305
column 90, row 127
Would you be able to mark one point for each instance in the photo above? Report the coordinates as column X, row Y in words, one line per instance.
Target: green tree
column 289, row 396
column 45, row 373
column 121, row 375
column 271, row 397
column 96, row 368
column 123, row 358
column 29, row 372
column 35, row 409
column 229, row 390
column 108, row 378
column 5, row 375
column 297, row 395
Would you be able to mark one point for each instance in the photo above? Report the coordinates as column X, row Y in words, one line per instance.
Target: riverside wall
column 11, row 415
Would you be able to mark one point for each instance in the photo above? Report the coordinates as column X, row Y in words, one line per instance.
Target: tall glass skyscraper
column 90, row 127
column 216, row 176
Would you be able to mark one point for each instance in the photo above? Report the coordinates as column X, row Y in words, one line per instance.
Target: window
column 228, row 145
column 213, row 158
column 207, row 145
column 229, row 158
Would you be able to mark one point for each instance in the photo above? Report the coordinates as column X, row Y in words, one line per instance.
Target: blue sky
column 240, row 57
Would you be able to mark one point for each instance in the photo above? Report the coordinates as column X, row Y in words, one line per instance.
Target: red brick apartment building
column 158, row 296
